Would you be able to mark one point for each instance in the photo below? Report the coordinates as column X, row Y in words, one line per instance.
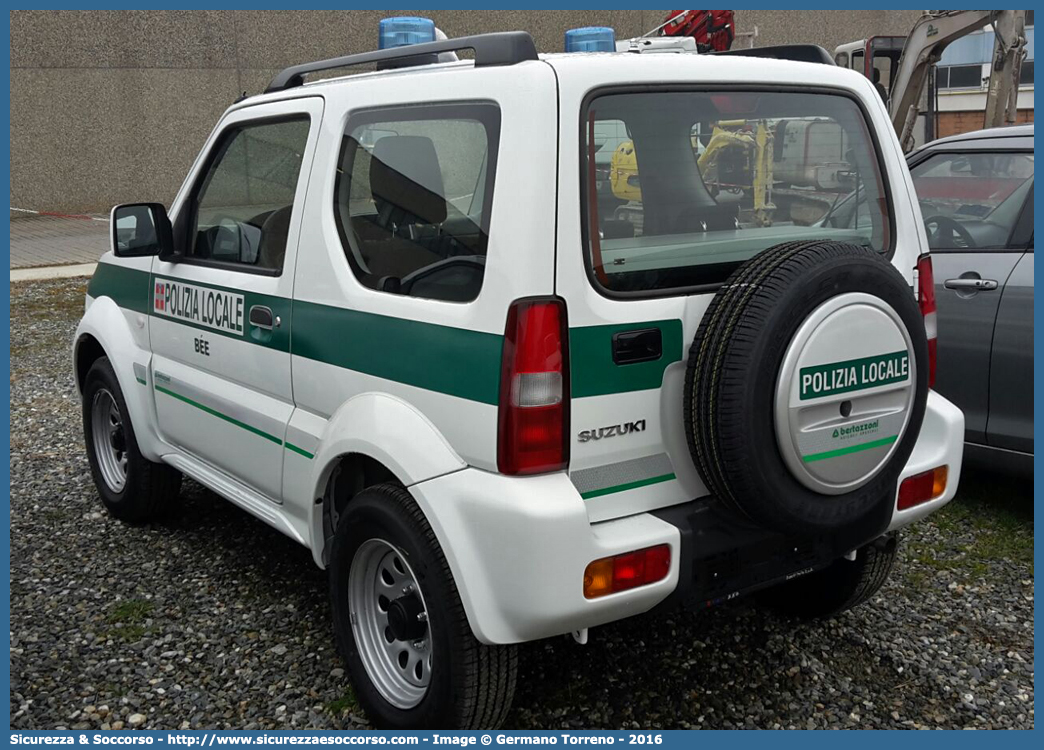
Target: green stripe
column 140, row 380
column 443, row 359
column 219, row 415
column 438, row 358
column 593, row 372
column 231, row 420
column 454, row 361
column 629, row 486
column 302, row 451
column 850, row 449
column 127, row 287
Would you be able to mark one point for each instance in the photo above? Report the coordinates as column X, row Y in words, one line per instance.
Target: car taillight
column 926, row 298
column 627, row 571
column 920, row 488
column 534, row 389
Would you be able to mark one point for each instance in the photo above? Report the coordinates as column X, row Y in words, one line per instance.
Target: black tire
column 471, row 684
column 151, row 490
column 838, row 588
column 732, row 374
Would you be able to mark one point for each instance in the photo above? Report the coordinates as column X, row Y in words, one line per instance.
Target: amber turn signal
column 920, row 488
column 627, row 571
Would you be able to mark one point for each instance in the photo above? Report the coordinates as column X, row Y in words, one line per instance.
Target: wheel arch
column 347, row 476
column 372, row 438
column 105, row 331
column 86, row 351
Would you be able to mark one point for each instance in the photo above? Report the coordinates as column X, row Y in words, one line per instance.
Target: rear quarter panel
column 438, row 359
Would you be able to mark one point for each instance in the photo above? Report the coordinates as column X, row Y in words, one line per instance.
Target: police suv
column 402, row 317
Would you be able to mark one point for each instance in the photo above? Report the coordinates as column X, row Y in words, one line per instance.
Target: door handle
column 971, row 285
column 262, row 317
column 630, row 347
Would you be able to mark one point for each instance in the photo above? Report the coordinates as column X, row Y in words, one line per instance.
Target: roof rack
column 812, row 53
column 498, row 48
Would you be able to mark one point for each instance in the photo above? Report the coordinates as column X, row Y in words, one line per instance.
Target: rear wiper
column 833, row 205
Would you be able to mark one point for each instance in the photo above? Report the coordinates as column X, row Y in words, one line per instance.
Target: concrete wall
column 113, row 106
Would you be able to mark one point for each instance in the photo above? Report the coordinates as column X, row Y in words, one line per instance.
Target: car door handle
column 262, row 317
column 630, row 347
column 973, row 285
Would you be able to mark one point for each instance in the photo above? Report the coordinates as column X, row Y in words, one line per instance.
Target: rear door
column 1010, row 424
column 971, row 202
column 221, row 317
column 695, row 198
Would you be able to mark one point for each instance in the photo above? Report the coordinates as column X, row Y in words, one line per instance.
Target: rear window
column 683, row 186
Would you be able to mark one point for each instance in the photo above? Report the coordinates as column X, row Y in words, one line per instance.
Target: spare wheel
column 806, row 388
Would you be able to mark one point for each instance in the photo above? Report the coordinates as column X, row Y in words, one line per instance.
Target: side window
column 242, row 206
column 972, row 200
column 413, row 198
column 858, row 61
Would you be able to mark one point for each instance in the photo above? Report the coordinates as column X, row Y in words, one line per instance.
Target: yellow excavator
column 736, row 159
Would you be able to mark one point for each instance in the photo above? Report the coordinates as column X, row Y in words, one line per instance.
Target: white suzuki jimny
column 524, row 344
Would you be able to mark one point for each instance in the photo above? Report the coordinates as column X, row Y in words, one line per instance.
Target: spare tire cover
column 806, row 388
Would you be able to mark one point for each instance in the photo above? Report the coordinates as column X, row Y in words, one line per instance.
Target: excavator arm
column 924, row 46
column 1008, row 54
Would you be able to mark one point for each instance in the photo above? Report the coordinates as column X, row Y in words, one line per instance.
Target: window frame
column 188, row 214
column 1022, row 81
column 1019, row 229
column 962, row 67
column 1022, row 234
column 585, row 217
column 486, row 112
column 861, row 54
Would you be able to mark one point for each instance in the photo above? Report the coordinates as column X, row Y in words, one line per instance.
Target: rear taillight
column 921, row 488
column 627, row 571
column 534, row 389
column 926, row 298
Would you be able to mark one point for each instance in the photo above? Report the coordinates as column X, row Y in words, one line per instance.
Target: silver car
column 976, row 196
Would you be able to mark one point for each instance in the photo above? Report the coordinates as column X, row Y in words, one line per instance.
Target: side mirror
column 141, row 229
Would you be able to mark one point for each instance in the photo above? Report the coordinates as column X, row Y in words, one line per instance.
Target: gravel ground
column 215, row 620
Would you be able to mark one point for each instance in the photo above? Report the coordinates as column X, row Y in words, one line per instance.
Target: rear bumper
column 518, row 546
column 724, row 557
column 941, row 443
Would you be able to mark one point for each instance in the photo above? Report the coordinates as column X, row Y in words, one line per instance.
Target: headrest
column 405, row 173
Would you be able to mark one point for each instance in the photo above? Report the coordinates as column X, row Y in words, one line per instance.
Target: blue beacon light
column 403, row 31
column 590, row 39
